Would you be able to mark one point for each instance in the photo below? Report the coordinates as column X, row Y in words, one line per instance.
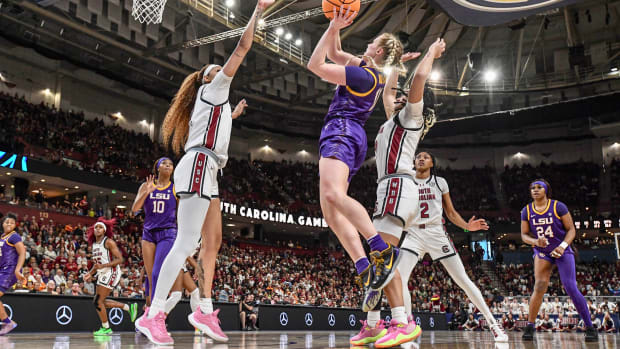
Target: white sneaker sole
column 145, row 331
column 205, row 329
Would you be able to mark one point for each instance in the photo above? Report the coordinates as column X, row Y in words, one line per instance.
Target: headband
column 208, row 70
column 542, row 184
column 105, row 229
column 160, row 161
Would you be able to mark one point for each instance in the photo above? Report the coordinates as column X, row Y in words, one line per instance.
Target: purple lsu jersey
column 160, row 209
column 357, row 105
column 547, row 223
column 9, row 255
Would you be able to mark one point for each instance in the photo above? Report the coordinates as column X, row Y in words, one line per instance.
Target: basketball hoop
column 148, row 11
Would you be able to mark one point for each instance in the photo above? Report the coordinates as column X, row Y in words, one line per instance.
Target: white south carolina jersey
column 430, row 191
column 211, row 121
column 102, row 255
column 397, row 141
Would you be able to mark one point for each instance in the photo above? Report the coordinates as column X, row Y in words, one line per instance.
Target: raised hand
column 150, row 184
column 342, row 18
column 477, row 224
column 409, row 56
column 263, row 4
column 239, row 108
column 437, row 48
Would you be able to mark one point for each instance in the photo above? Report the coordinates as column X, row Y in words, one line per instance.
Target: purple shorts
column 345, row 140
column 7, row 279
column 547, row 255
column 155, row 236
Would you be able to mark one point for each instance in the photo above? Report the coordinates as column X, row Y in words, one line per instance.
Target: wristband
column 465, row 230
column 564, row 245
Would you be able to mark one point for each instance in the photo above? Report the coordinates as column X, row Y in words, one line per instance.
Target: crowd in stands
column 555, row 315
column 593, row 279
column 576, row 184
column 68, row 138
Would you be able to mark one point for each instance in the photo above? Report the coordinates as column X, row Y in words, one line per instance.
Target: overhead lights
column 43, row 180
column 231, row 15
column 279, row 31
column 288, row 36
column 490, row 75
column 230, row 225
column 298, row 42
column 76, row 187
column 230, row 3
column 121, row 206
column 66, row 189
column 435, row 75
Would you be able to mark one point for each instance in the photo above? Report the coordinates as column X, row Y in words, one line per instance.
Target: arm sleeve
column 359, row 79
column 562, row 209
column 524, row 216
column 15, row 238
column 443, row 185
column 411, row 115
column 216, row 92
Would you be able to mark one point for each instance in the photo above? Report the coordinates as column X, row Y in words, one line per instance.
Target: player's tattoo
column 201, row 278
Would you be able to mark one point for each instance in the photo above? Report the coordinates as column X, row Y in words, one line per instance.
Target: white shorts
column 431, row 239
column 196, row 173
column 396, row 205
column 109, row 279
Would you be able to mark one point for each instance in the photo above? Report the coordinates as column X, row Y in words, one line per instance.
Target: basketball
column 329, row 5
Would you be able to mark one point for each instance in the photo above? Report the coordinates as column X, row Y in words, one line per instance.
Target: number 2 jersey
column 160, row 209
column 547, row 223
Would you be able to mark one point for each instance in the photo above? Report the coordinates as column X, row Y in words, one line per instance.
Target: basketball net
column 148, row 11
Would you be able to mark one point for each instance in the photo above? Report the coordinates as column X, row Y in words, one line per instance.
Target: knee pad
column 96, row 302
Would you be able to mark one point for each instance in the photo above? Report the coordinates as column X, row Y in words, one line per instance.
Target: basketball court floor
column 294, row 340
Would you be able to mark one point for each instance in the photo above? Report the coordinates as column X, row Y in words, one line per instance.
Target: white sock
column 373, row 317
column 126, row 307
column 105, row 324
column 194, row 299
column 157, row 305
column 172, row 301
column 190, row 216
column 398, row 314
column 206, row 305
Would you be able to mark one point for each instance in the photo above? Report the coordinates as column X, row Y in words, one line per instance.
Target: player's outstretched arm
column 334, row 73
column 472, row 225
column 245, row 43
column 335, row 52
column 145, row 190
column 416, row 91
column 391, row 85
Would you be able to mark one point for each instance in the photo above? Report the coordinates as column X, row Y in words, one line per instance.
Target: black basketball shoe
column 528, row 333
column 591, row 334
column 365, row 278
column 385, row 263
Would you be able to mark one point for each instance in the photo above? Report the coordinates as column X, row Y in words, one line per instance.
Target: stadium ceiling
column 527, row 55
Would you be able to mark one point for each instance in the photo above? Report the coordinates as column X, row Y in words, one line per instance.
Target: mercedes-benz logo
column 431, row 322
column 9, row 311
column 418, row 321
column 283, row 318
column 331, row 320
column 388, row 319
column 308, row 319
column 64, row 314
column 116, row 316
column 352, row 320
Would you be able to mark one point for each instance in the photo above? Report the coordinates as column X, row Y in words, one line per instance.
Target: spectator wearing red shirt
column 71, row 265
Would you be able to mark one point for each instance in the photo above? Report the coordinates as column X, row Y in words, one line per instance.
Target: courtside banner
column 478, row 13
